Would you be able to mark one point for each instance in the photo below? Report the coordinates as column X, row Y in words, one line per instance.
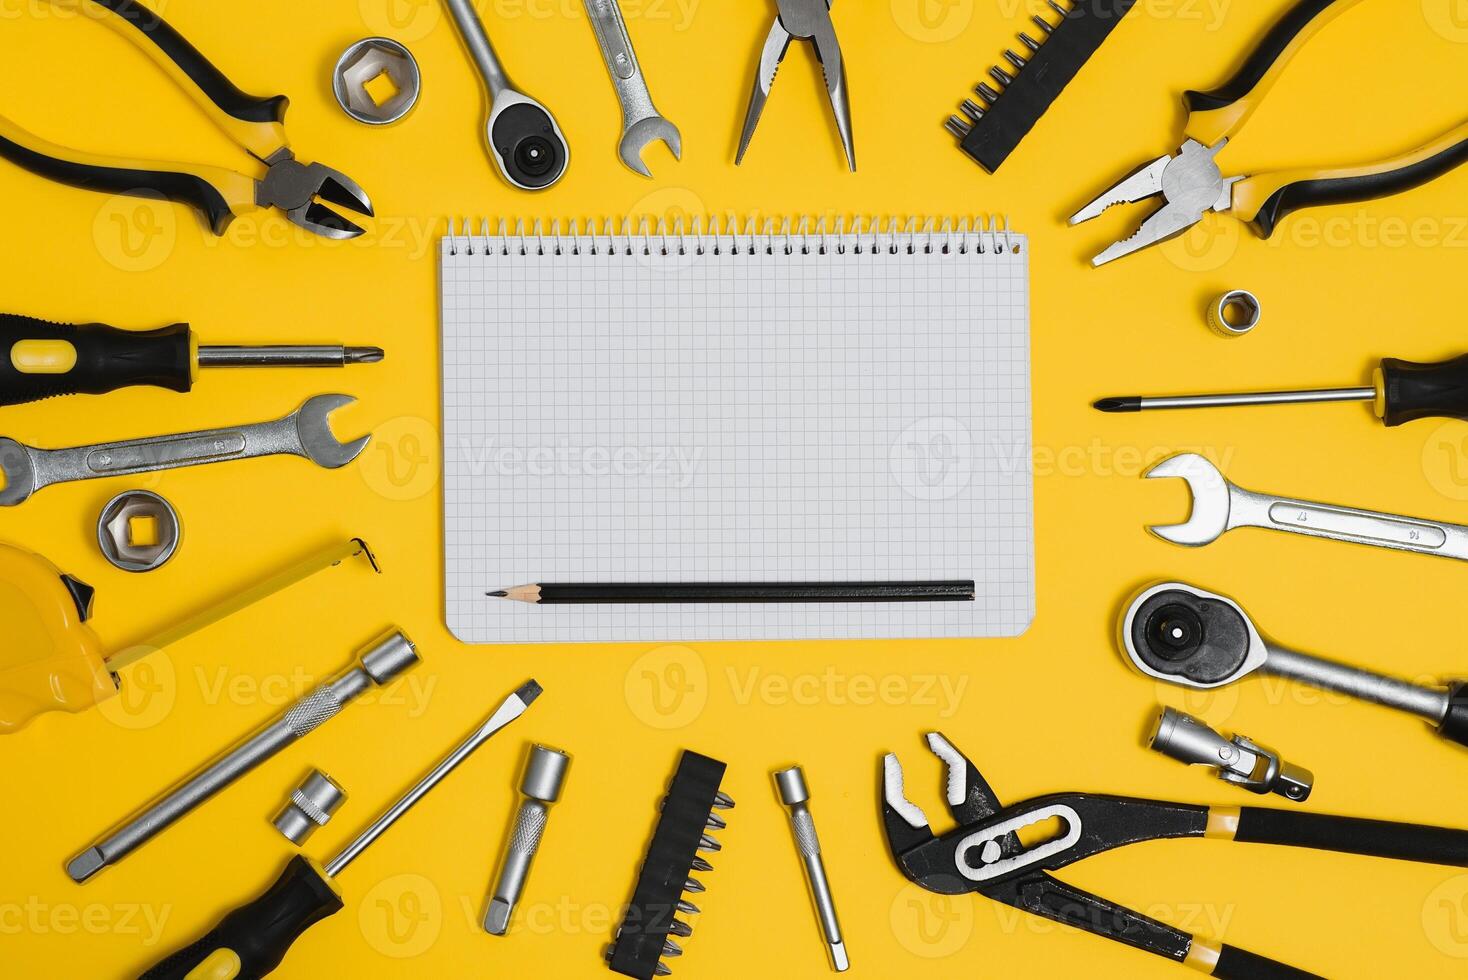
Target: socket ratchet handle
column 1188, row 636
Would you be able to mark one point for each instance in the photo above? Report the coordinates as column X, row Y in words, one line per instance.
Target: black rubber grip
column 1259, row 62
column 220, row 90
column 1347, row 190
column 1351, row 835
column 1414, row 391
column 1240, row 964
column 106, row 359
column 1454, row 725
column 183, row 188
column 261, row 932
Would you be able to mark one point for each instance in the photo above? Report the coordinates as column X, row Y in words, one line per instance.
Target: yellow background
column 1054, row 710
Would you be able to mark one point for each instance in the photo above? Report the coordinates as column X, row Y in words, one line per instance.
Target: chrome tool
column 1219, row 506
column 803, row 20
column 305, row 433
column 311, row 805
column 541, row 785
column 523, row 138
column 138, row 531
column 377, row 61
column 257, row 125
column 1185, row 635
column 1238, row 760
column 378, row 665
column 641, row 121
column 1191, row 183
column 790, row 783
column 251, row 941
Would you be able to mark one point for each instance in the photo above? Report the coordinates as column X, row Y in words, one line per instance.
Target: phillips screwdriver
column 42, row 359
column 251, row 941
column 1403, row 391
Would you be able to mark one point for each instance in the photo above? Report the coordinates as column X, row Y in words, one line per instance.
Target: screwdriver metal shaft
column 1146, row 403
column 288, row 356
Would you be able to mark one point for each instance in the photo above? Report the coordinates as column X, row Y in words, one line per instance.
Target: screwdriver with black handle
column 251, row 941
column 1403, row 391
column 40, row 359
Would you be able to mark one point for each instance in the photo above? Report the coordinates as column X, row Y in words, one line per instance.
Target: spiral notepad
column 796, row 402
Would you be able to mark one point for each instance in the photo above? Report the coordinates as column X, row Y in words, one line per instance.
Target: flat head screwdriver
column 40, row 360
column 252, row 940
column 1403, row 391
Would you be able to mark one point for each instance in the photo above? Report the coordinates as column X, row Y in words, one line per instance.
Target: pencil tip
column 499, row 594
column 1130, row 404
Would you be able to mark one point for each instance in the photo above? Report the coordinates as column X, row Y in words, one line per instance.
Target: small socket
column 377, row 81
column 138, row 531
column 310, row 806
column 1235, row 313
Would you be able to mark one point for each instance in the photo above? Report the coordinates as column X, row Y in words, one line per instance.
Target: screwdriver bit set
column 651, row 929
column 1016, row 94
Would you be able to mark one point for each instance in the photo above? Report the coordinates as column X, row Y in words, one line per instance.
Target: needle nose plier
column 805, row 20
column 985, row 854
column 1191, row 183
column 256, row 124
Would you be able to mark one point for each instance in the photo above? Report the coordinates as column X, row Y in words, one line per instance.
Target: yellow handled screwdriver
column 51, row 660
column 250, row 942
column 43, row 360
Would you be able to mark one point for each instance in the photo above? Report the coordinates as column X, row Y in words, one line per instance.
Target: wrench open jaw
column 318, row 443
column 1212, row 500
column 642, row 132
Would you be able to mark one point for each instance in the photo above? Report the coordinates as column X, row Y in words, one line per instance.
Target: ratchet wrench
column 1184, row 635
column 1219, row 506
column 524, row 140
column 305, row 432
column 641, row 121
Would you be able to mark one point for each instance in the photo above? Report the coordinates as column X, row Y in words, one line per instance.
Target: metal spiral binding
column 713, row 235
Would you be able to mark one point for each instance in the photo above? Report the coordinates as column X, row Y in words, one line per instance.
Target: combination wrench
column 1219, row 506
column 305, row 432
column 641, row 121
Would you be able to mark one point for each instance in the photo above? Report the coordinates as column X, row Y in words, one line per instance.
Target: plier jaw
column 1190, row 184
column 805, row 20
column 294, row 188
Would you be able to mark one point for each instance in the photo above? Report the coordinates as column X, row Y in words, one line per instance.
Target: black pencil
column 581, row 593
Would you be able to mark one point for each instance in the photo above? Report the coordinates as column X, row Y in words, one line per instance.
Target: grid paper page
column 857, row 415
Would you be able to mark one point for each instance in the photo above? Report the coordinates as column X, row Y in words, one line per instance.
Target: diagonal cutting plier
column 1191, row 183
column 256, row 124
column 986, row 854
column 806, row 20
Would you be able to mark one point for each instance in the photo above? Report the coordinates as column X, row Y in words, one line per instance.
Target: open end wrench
column 305, row 432
column 1219, row 506
column 641, row 121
